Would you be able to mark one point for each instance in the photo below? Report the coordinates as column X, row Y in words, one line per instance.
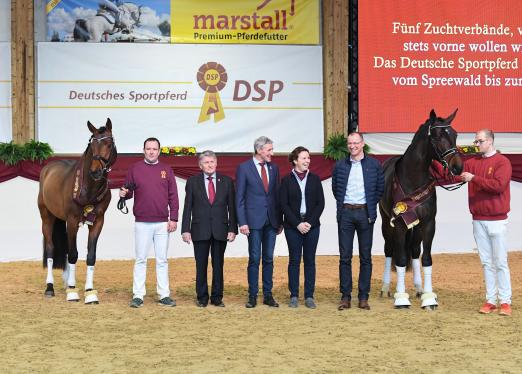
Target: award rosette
column 212, row 78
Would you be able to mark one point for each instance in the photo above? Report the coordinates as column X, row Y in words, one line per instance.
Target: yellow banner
column 50, row 5
column 245, row 21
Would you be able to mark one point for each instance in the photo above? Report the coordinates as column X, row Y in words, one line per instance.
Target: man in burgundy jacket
column 488, row 177
column 156, row 206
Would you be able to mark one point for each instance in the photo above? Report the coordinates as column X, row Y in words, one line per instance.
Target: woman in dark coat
column 302, row 203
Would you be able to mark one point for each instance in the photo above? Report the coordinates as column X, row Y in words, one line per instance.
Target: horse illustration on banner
column 109, row 19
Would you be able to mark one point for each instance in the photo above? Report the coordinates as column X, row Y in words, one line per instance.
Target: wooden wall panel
column 335, row 70
column 22, row 70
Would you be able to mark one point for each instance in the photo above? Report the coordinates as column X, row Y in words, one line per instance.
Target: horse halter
column 105, row 163
column 441, row 156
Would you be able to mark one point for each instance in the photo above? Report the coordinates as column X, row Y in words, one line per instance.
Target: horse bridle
column 105, row 163
column 442, row 156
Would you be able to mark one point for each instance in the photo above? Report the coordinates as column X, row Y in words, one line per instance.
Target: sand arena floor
column 51, row 335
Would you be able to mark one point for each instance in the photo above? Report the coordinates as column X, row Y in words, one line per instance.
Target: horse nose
column 97, row 174
column 456, row 165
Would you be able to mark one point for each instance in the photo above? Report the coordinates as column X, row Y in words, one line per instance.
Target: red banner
column 440, row 54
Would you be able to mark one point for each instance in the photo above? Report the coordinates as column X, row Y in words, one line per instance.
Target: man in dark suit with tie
column 209, row 220
column 259, row 216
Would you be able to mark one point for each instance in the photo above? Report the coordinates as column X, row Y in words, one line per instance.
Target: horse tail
column 80, row 32
column 61, row 246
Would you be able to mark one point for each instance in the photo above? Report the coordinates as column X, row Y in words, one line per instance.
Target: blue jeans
column 350, row 222
column 261, row 243
column 305, row 245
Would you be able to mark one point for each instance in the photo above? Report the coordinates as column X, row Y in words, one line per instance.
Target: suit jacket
column 253, row 204
column 204, row 220
column 290, row 199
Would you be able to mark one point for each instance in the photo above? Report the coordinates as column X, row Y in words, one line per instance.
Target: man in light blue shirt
column 357, row 185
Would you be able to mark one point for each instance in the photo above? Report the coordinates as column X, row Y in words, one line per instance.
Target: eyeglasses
column 354, row 143
column 479, row 141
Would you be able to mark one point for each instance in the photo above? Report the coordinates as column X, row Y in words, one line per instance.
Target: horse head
column 103, row 150
column 443, row 139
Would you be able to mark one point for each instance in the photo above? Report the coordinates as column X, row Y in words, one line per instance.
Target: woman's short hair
column 294, row 155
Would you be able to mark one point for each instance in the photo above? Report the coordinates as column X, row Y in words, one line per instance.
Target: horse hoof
column 429, row 308
column 49, row 291
column 429, row 300
column 91, row 297
column 72, row 294
column 402, row 300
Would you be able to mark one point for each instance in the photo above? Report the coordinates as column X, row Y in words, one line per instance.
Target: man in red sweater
column 488, row 177
column 155, row 208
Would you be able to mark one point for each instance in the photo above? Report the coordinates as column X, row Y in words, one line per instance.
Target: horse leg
column 388, row 252
column 402, row 299
column 429, row 298
column 73, row 293
column 91, row 295
column 386, row 277
column 47, row 229
column 415, row 244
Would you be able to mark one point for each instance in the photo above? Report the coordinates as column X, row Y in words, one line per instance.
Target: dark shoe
column 252, row 302
column 201, row 303
column 269, row 300
column 363, row 304
column 136, row 303
column 218, row 303
column 167, row 301
column 310, row 303
column 344, row 304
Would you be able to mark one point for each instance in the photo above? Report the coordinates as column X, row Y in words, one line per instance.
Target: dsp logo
column 259, row 90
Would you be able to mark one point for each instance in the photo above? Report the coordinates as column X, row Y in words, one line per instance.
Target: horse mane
column 421, row 131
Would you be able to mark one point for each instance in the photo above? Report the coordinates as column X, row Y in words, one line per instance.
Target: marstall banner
column 245, row 21
column 108, row 20
column 218, row 97
column 6, row 132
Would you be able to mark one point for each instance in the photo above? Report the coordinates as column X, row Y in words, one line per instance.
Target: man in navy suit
column 259, row 216
column 209, row 220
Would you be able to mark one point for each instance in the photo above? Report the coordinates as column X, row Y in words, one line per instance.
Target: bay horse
column 104, row 22
column 409, row 206
column 72, row 193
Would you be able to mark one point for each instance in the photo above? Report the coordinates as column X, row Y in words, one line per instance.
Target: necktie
column 211, row 191
column 264, row 176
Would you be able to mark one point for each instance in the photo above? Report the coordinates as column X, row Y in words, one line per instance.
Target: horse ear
column 452, row 116
column 433, row 116
column 91, row 127
column 108, row 124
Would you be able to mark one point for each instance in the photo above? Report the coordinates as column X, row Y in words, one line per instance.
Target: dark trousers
column 261, row 245
column 350, row 222
column 217, row 253
column 301, row 245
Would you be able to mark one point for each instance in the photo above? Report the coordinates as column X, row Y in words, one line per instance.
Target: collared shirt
column 355, row 187
column 302, row 186
column 258, row 168
column 150, row 163
column 489, row 154
column 214, row 180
